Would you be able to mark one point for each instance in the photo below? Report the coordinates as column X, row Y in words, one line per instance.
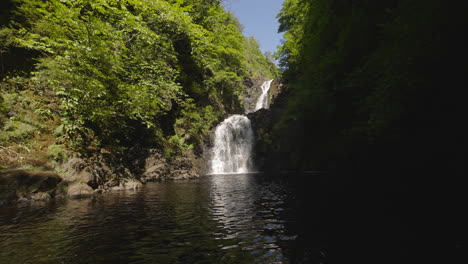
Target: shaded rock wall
column 83, row 177
column 115, row 171
column 179, row 168
column 25, row 186
column 279, row 142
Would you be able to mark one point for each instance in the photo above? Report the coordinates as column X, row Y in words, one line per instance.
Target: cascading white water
column 234, row 140
column 262, row 101
column 232, row 146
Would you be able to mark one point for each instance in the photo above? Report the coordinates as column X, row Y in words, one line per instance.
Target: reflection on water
column 217, row 219
column 241, row 225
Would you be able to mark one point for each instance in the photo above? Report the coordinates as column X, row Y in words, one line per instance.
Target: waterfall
column 234, row 140
column 262, row 101
column 232, row 146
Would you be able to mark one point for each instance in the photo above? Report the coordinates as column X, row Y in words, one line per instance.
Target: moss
column 2, row 105
column 16, row 130
column 57, row 153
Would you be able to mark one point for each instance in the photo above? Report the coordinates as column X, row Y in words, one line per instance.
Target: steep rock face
column 278, row 142
column 155, row 166
column 76, row 170
column 275, row 90
column 159, row 168
column 251, row 95
column 83, row 177
column 111, row 171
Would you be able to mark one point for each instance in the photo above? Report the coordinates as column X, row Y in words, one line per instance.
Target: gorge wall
column 117, row 107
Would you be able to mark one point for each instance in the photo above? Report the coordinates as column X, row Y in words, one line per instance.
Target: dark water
column 216, row 219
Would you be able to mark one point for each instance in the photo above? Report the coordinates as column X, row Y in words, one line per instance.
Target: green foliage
column 57, row 153
column 16, row 130
column 257, row 64
column 104, row 62
column 121, row 72
column 28, row 121
column 194, row 123
column 3, row 110
column 176, row 147
column 19, row 124
column 362, row 73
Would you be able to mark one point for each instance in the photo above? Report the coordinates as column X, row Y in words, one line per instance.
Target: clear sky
column 259, row 20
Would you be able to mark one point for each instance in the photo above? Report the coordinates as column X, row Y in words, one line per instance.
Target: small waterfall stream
column 262, row 101
column 234, row 140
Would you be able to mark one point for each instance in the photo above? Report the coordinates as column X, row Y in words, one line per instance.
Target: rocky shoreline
column 85, row 177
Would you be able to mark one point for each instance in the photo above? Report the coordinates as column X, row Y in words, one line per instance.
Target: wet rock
column 155, row 172
column 251, row 95
column 40, row 196
column 35, row 197
column 79, row 190
column 128, row 184
column 132, row 184
column 182, row 175
column 23, row 200
column 275, row 90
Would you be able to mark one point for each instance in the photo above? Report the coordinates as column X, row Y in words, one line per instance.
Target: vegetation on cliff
column 374, row 95
column 88, row 75
column 370, row 81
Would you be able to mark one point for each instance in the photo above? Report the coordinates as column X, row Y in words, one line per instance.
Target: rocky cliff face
column 109, row 171
column 275, row 90
column 278, row 141
column 251, row 95
column 263, row 122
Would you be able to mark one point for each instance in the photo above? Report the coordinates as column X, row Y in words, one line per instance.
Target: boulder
column 128, row 184
column 79, row 190
column 40, row 196
column 131, row 184
column 35, row 197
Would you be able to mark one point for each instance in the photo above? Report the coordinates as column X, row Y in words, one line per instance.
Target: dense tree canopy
column 363, row 74
column 375, row 96
column 124, row 71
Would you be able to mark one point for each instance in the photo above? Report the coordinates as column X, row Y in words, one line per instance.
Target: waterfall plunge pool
column 241, row 218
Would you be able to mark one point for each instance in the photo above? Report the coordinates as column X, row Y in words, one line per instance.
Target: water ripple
column 217, row 219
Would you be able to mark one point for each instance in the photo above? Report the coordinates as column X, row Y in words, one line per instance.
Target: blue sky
column 259, row 20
